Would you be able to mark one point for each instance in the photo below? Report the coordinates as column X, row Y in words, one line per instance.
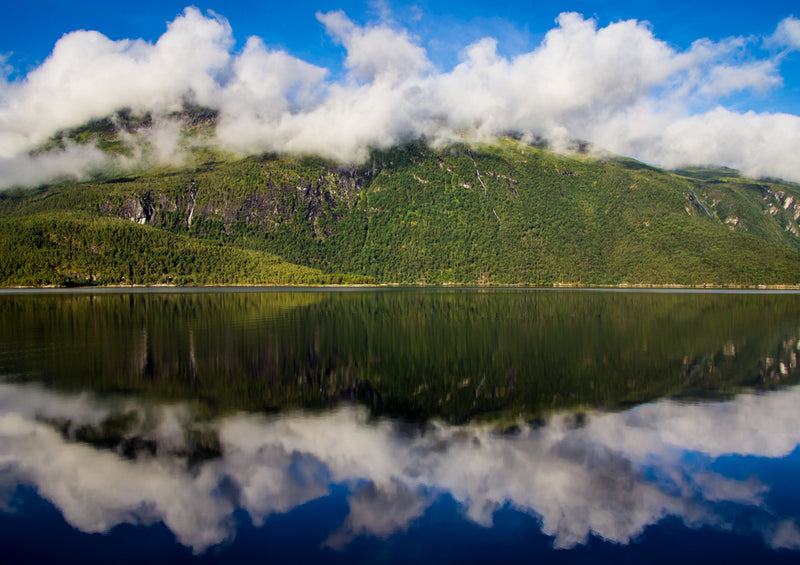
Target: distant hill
column 504, row 213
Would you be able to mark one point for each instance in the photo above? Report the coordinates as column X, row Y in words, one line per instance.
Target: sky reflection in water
column 601, row 475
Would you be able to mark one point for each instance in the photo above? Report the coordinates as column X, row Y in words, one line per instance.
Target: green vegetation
column 74, row 249
column 498, row 214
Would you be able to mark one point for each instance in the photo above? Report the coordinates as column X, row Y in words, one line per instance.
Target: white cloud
column 726, row 79
column 90, row 76
column 378, row 512
column 375, row 53
column 74, row 162
column 784, row 535
column 787, row 34
column 265, row 87
column 612, row 477
column 758, row 144
column 618, row 86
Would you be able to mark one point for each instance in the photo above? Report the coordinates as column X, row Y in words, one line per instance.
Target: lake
column 399, row 425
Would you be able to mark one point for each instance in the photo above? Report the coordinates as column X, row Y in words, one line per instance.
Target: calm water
column 442, row 426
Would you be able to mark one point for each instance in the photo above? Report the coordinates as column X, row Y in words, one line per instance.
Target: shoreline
column 301, row 287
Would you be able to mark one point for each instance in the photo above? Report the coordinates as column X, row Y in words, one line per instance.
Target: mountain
column 501, row 213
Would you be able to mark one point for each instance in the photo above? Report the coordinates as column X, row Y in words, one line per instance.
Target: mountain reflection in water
column 107, row 461
column 453, row 355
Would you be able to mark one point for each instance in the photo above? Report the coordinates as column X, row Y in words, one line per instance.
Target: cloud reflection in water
column 610, row 474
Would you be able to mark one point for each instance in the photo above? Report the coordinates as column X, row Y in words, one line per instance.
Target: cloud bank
column 618, row 86
column 611, row 477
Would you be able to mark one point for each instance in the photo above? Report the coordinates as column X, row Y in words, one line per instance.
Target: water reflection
column 450, row 355
column 104, row 462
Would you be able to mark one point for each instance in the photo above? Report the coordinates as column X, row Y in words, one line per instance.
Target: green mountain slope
column 505, row 213
column 71, row 249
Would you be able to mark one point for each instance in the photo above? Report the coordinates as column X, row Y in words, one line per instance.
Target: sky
column 673, row 84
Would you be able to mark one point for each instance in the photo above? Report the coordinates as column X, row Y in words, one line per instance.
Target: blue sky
column 724, row 64
column 29, row 30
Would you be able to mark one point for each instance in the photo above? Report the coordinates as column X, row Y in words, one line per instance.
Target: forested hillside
column 502, row 213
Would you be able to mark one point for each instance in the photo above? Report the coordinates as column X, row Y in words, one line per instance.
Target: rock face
column 319, row 200
column 142, row 210
column 783, row 200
